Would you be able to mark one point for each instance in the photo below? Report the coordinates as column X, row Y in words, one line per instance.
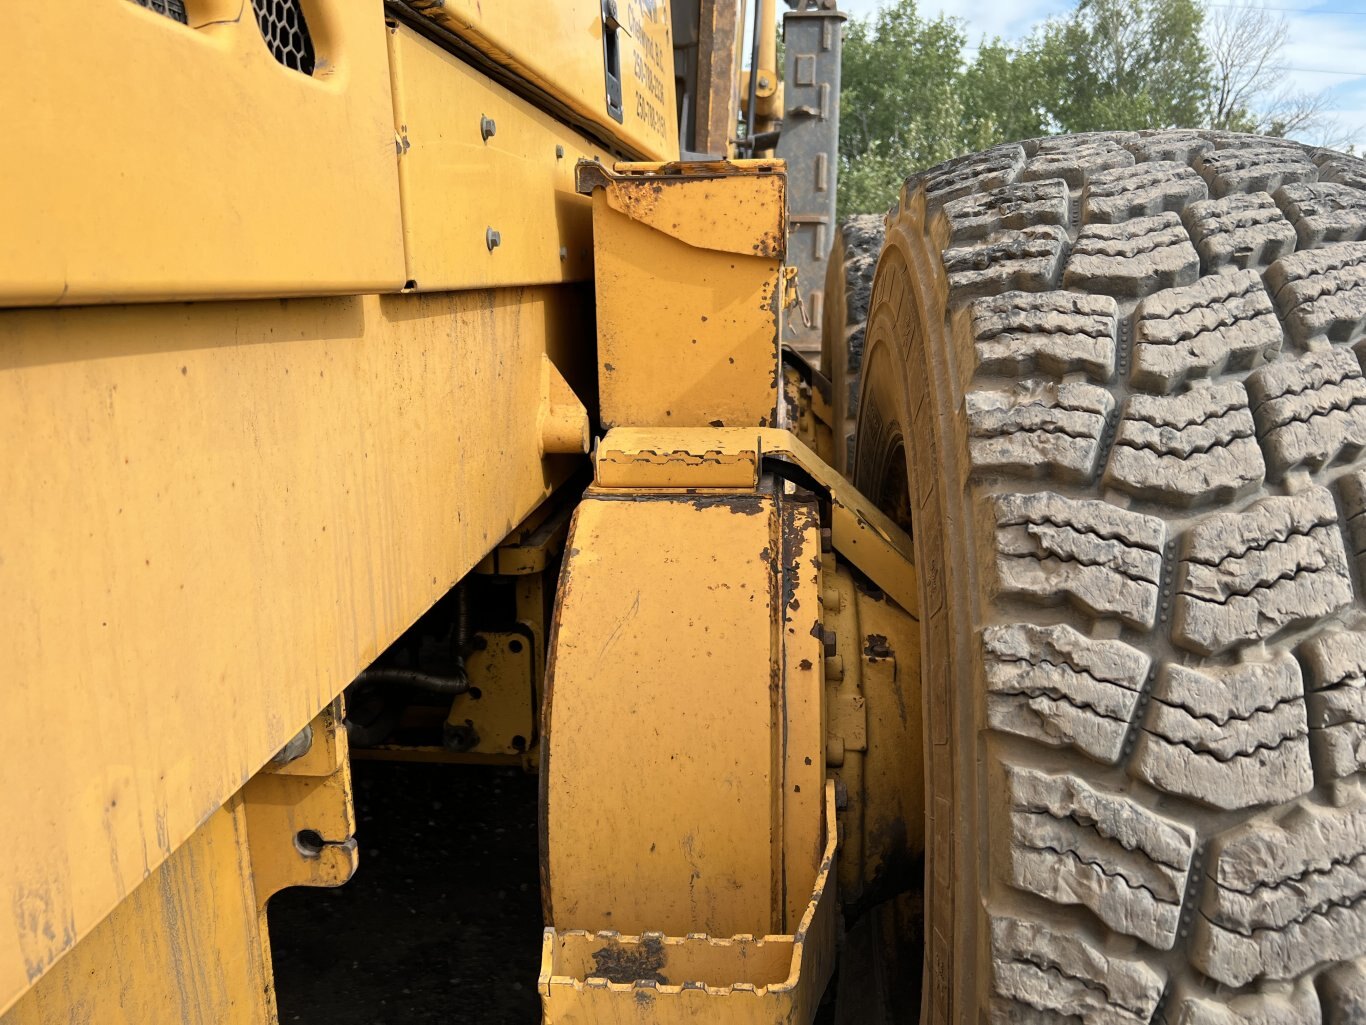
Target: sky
column 1325, row 50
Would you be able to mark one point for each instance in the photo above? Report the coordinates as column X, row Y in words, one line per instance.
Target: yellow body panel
column 458, row 185
column 665, row 457
column 189, row 944
column 152, row 160
column 558, row 50
column 688, row 277
column 684, row 826
column 195, row 918
column 215, row 516
column 740, row 980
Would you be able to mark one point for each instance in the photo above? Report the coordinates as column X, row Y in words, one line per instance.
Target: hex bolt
column 559, row 152
column 827, row 539
column 828, row 639
column 493, row 239
column 564, row 252
column 487, row 127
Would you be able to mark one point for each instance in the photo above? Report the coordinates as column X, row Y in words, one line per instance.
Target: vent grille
column 286, row 33
column 173, row 9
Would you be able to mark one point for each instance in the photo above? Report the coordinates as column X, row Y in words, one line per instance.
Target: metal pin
column 493, row 238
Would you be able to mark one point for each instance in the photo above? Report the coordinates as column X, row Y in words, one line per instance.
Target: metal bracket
column 731, row 459
column 300, row 821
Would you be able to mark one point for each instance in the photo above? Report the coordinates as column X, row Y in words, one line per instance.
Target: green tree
column 1007, row 91
column 900, row 105
column 911, row 99
column 1127, row 64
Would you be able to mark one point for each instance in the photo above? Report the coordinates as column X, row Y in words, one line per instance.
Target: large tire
column 1109, row 383
column 848, row 287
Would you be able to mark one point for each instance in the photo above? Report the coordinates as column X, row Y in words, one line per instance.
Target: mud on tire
column 1114, row 385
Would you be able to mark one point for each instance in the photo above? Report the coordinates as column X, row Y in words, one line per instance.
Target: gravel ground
column 442, row 921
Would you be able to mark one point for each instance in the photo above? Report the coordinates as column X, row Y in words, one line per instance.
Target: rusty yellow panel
column 215, row 516
column 683, row 758
column 559, row 52
column 642, row 458
column 474, row 159
column 161, row 160
column 187, row 947
column 688, row 266
column 300, row 819
column 596, row 978
column 500, row 717
column 718, row 458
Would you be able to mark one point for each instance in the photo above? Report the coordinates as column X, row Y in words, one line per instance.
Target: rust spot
column 876, row 646
column 718, row 423
column 617, row 963
column 805, row 664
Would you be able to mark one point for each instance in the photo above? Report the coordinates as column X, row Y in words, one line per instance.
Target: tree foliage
column 912, row 97
column 1127, row 64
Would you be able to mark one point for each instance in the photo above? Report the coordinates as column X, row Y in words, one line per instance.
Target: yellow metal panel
column 688, row 264
column 504, row 708
column 558, row 50
column 299, row 815
column 670, row 836
column 686, row 687
column 458, row 185
column 187, row 947
column 153, row 160
column 610, row 979
column 666, row 457
column 216, row 515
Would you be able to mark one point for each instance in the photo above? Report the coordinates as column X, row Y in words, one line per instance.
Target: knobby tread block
column 1040, row 968
column 1324, row 213
column 1260, row 167
column 1335, row 699
column 1061, row 688
column 1227, row 736
column 1238, row 231
column 1322, row 293
column 1039, row 428
column 1011, row 207
column 1075, row 159
column 1297, row 1006
column 1342, row 994
column 1028, row 259
column 862, row 237
column 1310, row 412
column 1222, row 322
column 1101, row 559
column 1141, row 190
column 1285, row 893
column 1341, row 169
column 1018, row 334
column 1352, row 489
column 1132, row 259
column 1189, row 449
column 1075, row 844
column 978, row 172
column 1180, row 146
column 1244, row 576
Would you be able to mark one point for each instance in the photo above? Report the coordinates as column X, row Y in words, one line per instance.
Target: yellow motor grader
column 953, row 616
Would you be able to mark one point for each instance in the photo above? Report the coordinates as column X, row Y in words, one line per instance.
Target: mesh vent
column 286, row 33
column 173, row 9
